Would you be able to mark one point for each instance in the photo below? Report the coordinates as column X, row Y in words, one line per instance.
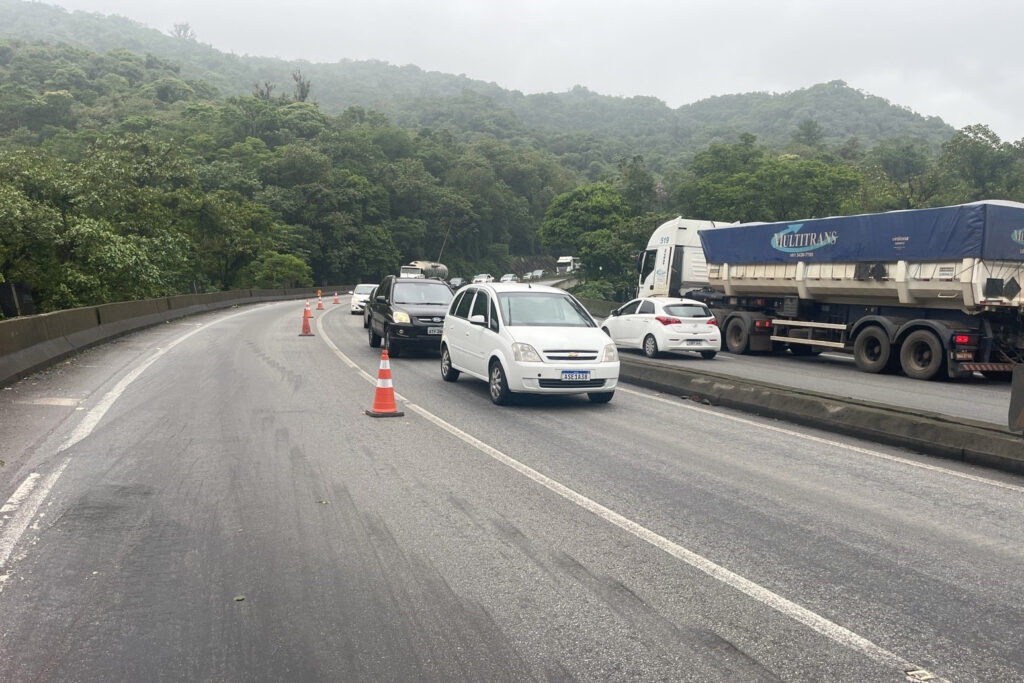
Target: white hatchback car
column 522, row 338
column 359, row 297
column 656, row 324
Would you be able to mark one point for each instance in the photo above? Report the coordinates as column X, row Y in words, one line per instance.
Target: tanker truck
column 422, row 269
column 930, row 292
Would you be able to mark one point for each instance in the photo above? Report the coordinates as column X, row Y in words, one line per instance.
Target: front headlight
column 610, row 354
column 524, row 353
column 401, row 317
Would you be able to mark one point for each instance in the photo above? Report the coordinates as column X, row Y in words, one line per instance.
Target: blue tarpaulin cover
column 991, row 230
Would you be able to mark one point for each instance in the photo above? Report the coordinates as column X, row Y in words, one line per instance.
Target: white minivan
column 522, row 338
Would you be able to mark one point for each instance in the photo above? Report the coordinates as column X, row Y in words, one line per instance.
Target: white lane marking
column 19, row 496
column 839, row 634
column 828, row 442
column 25, row 502
column 23, row 514
column 69, row 402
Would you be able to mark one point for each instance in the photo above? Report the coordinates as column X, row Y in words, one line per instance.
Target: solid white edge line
column 828, row 442
column 812, row 620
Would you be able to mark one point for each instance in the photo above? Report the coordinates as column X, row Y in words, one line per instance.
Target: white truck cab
column 673, row 262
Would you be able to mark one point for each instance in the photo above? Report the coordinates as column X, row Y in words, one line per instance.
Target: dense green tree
column 586, row 209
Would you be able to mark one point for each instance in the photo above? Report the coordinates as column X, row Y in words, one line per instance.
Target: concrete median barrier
column 30, row 343
column 940, row 435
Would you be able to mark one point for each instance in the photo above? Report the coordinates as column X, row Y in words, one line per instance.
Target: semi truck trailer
column 929, row 292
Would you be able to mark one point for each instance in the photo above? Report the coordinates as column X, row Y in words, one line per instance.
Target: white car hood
column 580, row 338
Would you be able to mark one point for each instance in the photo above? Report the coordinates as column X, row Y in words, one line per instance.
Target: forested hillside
column 412, row 97
column 135, row 164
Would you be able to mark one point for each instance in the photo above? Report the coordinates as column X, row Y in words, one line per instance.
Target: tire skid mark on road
column 788, row 608
column 827, row 442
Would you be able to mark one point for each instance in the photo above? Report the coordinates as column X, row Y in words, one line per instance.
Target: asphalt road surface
column 206, row 501
column 972, row 398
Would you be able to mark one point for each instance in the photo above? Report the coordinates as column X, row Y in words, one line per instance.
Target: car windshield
column 363, row 289
column 688, row 310
column 544, row 309
column 422, row 292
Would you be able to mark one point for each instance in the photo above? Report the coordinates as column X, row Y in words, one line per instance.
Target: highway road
column 835, row 374
column 205, row 500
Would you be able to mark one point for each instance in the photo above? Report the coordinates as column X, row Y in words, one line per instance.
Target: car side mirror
column 615, row 312
column 477, row 320
column 380, row 298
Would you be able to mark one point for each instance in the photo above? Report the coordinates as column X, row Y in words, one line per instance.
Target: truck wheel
column 373, row 336
column 921, row 355
column 872, row 350
column 737, row 339
column 650, row 346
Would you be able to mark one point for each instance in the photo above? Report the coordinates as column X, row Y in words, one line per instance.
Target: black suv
column 407, row 312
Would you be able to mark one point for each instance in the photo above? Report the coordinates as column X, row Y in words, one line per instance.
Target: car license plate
column 575, row 375
column 693, row 342
column 435, row 330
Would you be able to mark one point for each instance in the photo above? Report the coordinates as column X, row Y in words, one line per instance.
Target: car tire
column 600, row 396
column 373, row 337
column 921, row 355
column 650, row 346
column 394, row 350
column 498, row 385
column 708, row 355
column 366, row 321
column 448, row 373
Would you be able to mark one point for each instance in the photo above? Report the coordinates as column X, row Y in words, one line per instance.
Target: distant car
column 456, row 282
column 483, row 277
column 366, row 309
column 360, row 295
column 408, row 312
column 655, row 324
column 509, row 277
column 537, row 274
column 521, row 339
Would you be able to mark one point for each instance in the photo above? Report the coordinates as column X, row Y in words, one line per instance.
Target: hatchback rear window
column 688, row 310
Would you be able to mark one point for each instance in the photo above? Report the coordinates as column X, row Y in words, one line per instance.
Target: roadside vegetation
column 122, row 177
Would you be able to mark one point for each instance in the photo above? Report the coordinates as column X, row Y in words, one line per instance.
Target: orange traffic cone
column 336, row 298
column 384, row 399
column 306, row 315
column 319, row 303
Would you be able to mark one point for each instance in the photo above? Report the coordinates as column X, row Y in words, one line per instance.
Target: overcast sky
column 956, row 60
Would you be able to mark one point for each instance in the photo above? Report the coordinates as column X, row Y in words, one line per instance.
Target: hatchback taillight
column 666, row 320
column 713, row 321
